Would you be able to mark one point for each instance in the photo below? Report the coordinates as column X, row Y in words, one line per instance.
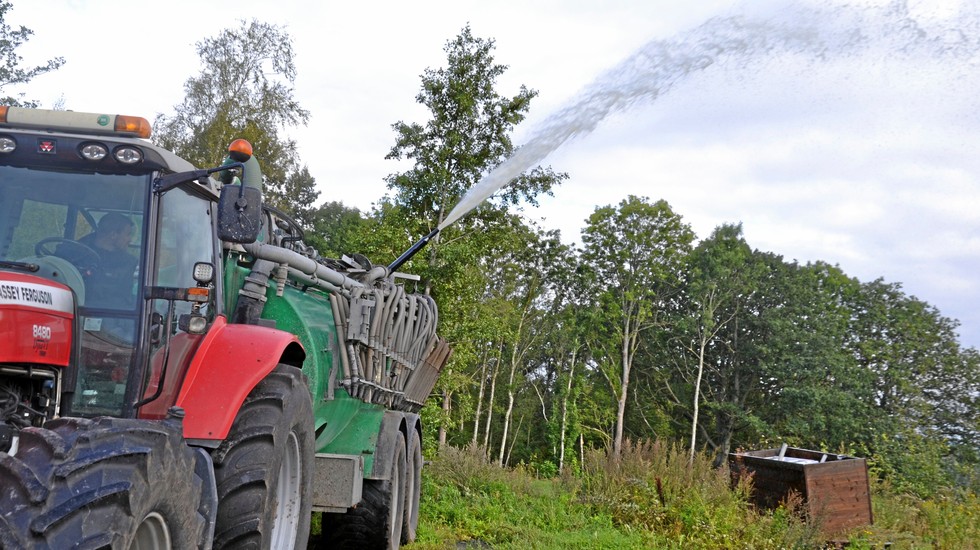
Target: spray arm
column 412, row 250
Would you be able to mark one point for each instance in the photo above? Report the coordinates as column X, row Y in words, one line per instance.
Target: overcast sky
column 863, row 158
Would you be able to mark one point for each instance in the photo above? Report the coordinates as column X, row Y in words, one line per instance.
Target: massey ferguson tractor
column 179, row 370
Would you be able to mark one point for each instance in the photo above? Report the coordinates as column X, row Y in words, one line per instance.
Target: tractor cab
column 85, row 223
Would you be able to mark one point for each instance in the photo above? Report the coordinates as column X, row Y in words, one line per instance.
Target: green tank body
column 343, row 424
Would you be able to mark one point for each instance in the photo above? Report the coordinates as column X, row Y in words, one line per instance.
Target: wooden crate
column 834, row 487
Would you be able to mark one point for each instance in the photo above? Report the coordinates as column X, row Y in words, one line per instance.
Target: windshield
column 85, row 230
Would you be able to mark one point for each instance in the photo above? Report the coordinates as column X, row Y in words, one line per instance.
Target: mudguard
column 231, row 360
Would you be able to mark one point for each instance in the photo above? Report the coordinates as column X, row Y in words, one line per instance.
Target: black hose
column 413, row 250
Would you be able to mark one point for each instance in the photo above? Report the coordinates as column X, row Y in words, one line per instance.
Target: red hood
column 36, row 317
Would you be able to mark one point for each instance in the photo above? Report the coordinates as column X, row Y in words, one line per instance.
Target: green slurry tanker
column 179, row 370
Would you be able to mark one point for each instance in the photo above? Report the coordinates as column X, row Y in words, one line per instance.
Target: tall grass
column 611, row 504
column 949, row 521
column 652, row 497
column 468, row 501
column 654, row 487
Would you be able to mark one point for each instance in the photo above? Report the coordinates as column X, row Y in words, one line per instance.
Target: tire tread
column 80, row 483
column 246, row 462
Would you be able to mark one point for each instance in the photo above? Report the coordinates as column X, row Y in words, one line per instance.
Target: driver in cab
column 112, row 281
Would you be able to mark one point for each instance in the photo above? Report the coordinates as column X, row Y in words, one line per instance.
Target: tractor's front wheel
column 264, row 467
column 108, row 483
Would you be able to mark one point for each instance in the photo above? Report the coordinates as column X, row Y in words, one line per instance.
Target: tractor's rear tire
column 104, row 483
column 413, row 487
column 264, row 467
column 376, row 521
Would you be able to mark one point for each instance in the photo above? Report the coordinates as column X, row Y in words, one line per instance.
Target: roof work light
column 71, row 121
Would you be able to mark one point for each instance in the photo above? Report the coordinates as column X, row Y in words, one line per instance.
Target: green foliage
column 633, row 255
column 613, row 505
column 245, row 90
column 908, row 346
column 11, row 73
column 471, row 268
column 338, row 230
column 913, row 462
column 717, row 280
column 297, row 196
column 468, row 500
column 468, row 133
column 655, row 487
column 820, row 396
column 907, row 521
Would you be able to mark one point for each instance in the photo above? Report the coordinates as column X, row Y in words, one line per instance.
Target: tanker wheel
column 264, row 467
column 413, row 487
column 105, row 483
column 376, row 521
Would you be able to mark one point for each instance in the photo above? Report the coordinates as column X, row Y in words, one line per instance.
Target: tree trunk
column 513, row 440
column 446, row 407
column 515, row 357
column 623, row 391
column 697, row 398
column 493, row 389
column 479, row 401
column 563, row 428
column 725, row 442
column 507, row 413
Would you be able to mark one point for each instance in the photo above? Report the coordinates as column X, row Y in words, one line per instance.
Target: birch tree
column 467, row 134
column 635, row 252
column 245, row 90
column 714, row 270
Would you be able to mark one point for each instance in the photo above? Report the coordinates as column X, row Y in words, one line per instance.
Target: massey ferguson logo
column 33, row 295
column 47, row 146
column 42, row 339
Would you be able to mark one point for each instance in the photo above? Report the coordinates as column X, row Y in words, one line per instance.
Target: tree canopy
column 635, row 252
column 645, row 332
column 245, row 90
column 467, row 134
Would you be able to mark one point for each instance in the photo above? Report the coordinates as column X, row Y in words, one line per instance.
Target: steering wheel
column 75, row 252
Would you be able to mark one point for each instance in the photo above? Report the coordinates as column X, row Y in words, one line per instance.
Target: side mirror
column 239, row 214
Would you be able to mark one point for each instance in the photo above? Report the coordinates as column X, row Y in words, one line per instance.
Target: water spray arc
column 813, row 34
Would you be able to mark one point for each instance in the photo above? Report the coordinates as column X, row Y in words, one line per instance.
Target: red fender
column 231, row 360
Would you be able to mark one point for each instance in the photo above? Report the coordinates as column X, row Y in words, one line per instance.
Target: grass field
column 468, row 503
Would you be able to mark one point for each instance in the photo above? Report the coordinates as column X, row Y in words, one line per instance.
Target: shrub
column 653, row 486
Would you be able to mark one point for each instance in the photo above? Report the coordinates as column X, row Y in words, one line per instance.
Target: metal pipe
column 307, row 280
column 412, row 250
column 301, row 263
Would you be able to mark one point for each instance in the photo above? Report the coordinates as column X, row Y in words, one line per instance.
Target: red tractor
column 178, row 369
